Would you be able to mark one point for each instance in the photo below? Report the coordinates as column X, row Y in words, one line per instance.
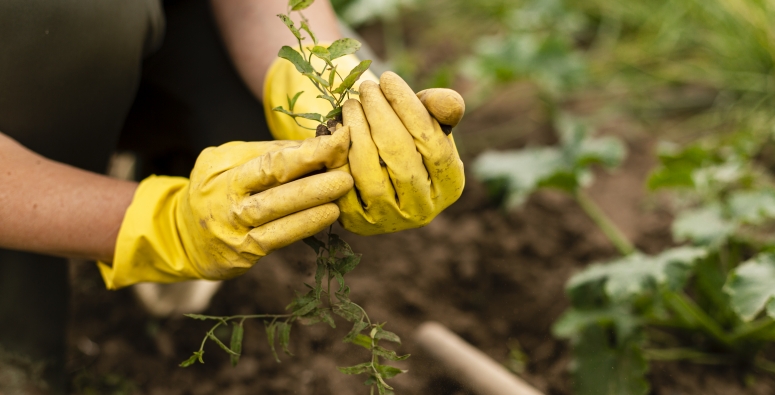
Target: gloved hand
column 244, row 200
column 406, row 169
column 427, row 182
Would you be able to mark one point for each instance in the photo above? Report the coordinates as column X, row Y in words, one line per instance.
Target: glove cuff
column 283, row 81
column 148, row 248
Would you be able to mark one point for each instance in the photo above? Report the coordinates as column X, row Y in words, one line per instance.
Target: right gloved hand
column 244, row 200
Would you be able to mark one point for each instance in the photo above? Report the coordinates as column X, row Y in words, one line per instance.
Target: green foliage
column 725, row 197
column 751, row 287
column 323, row 78
column 335, row 258
column 566, row 167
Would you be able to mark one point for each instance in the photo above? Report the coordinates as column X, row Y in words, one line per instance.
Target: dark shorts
column 80, row 79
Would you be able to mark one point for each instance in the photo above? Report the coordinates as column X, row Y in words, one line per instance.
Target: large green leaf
column 751, row 287
column 565, row 167
column 521, row 170
column 752, row 207
column 630, row 276
column 703, row 226
column 600, row 368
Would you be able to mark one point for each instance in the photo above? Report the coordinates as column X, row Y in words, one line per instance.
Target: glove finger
column 446, row 105
column 293, row 197
column 287, row 164
column 286, row 230
column 371, row 179
column 396, row 148
column 435, row 147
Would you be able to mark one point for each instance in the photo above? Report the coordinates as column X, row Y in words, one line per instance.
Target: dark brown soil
column 490, row 276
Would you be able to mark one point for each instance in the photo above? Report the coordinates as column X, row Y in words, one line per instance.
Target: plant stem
column 614, row 234
column 758, row 329
column 688, row 311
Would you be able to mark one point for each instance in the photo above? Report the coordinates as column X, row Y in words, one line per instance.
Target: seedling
column 335, row 258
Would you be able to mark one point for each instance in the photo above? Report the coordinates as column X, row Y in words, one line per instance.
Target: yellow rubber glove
column 283, row 81
column 421, row 173
column 244, row 200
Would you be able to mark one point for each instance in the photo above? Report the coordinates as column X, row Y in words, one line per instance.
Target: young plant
column 335, row 258
column 709, row 302
column 324, row 79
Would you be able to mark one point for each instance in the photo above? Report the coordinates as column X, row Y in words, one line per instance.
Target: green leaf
column 305, row 27
column 520, row 171
column 357, row 369
column 600, row 368
column 310, row 116
column 678, row 166
column 342, row 47
column 752, row 207
column 285, row 336
column 348, row 263
column 630, row 276
column 193, row 359
column 326, row 317
column 388, row 372
column 237, row 332
column 295, row 57
column 348, row 311
column 751, row 287
column 292, row 103
column 351, row 78
column 333, row 113
column 316, row 78
column 314, row 243
column 331, row 76
column 271, row 331
column 322, row 53
column 573, row 322
column 361, row 340
column 306, row 309
column 330, row 100
column 298, row 5
column 339, row 245
column 288, row 22
column 220, row 344
column 703, row 226
column 358, row 327
column 386, row 335
column 388, row 354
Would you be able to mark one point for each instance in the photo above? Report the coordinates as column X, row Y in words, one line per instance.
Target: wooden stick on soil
column 468, row 365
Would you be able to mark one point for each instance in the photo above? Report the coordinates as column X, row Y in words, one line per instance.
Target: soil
column 495, row 278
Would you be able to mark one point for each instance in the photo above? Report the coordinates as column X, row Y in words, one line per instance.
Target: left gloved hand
column 406, row 169
column 423, row 173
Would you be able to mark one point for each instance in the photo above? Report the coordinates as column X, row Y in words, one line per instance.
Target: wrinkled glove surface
column 243, row 200
column 423, row 173
column 406, row 169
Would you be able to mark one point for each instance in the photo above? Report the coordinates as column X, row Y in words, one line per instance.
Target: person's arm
column 253, row 33
column 52, row 208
